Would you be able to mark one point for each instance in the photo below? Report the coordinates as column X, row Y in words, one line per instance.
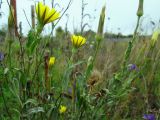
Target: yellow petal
column 83, row 41
column 51, row 61
column 45, row 14
column 50, row 13
column 47, row 10
column 53, row 17
column 78, row 41
column 62, row 109
column 73, row 39
column 41, row 10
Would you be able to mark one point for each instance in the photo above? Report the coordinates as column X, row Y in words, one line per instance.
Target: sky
column 120, row 14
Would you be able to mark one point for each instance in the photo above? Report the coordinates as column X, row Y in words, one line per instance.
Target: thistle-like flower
column 51, row 61
column 62, row 109
column 45, row 14
column 78, row 41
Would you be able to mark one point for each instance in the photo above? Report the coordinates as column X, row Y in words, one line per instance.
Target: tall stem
column 73, row 80
column 96, row 52
column 130, row 45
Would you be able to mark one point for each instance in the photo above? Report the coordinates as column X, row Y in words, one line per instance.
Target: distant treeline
column 60, row 31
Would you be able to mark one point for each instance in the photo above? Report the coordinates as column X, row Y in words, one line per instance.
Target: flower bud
column 98, row 37
column 101, row 21
column 154, row 37
column 90, row 60
column 11, row 18
column 140, row 8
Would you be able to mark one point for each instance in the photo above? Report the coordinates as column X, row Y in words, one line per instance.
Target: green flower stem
column 72, row 79
column 39, row 29
column 130, row 45
column 22, row 55
column 36, row 78
column 147, row 62
column 146, row 94
column 96, row 52
column 74, row 51
column 9, row 54
column 5, row 102
column 90, row 67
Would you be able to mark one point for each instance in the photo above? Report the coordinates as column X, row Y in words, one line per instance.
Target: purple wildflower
column 149, row 117
column 70, row 91
column 132, row 67
column 1, row 56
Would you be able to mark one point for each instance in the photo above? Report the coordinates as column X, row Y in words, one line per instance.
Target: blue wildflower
column 132, row 67
column 1, row 56
column 149, row 117
column 70, row 91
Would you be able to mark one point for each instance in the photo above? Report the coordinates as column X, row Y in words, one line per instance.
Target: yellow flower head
column 62, row 109
column 45, row 14
column 78, row 41
column 51, row 61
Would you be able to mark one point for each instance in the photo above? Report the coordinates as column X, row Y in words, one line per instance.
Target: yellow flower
column 78, row 41
column 62, row 109
column 51, row 61
column 45, row 14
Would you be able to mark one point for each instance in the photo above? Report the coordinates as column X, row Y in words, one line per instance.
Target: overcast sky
column 122, row 14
